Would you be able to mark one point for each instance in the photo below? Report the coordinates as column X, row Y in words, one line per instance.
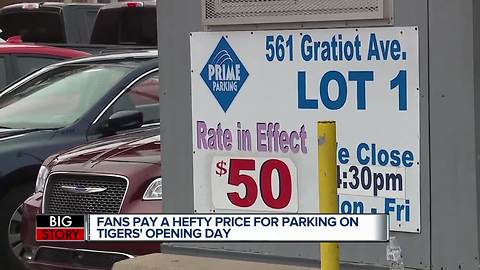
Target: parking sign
column 256, row 99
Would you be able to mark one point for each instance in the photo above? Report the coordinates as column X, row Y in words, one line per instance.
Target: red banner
column 60, row 234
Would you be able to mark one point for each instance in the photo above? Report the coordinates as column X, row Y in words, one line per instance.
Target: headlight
column 41, row 179
column 154, row 190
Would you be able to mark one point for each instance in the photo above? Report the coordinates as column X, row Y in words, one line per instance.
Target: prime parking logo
column 224, row 74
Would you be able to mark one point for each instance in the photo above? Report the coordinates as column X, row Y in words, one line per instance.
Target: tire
column 11, row 244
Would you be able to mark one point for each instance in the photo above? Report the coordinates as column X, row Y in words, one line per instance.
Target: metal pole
column 327, row 179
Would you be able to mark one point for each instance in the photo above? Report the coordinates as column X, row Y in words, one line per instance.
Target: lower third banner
column 236, row 227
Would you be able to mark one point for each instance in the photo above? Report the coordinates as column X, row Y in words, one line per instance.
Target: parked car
column 65, row 105
column 93, row 28
column 128, row 166
column 17, row 60
column 49, row 22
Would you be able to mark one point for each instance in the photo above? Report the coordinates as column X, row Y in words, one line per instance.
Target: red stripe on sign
column 60, row 234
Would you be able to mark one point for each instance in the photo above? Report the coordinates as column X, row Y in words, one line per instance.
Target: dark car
column 49, row 22
column 128, row 166
column 17, row 60
column 65, row 105
column 93, row 28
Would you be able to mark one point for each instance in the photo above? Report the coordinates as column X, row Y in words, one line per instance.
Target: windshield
column 59, row 97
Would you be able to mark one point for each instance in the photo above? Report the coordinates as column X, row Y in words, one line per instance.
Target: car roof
column 111, row 57
column 149, row 62
column 8, row 48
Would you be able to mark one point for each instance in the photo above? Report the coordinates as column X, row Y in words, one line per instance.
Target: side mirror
column 124, row 120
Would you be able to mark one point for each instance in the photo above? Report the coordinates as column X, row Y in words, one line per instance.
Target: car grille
column 58, row 200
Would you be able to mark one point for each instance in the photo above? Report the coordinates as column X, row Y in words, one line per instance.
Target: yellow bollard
column 327, row 184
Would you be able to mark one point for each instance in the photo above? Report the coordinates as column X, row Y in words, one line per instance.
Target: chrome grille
column 59, row 200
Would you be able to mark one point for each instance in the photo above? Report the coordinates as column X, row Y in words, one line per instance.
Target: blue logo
column 224, row 74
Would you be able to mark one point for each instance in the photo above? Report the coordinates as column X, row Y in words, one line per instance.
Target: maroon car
column 128, row 166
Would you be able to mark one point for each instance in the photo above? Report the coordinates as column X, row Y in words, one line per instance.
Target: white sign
column 259, row 95
column 311, row 228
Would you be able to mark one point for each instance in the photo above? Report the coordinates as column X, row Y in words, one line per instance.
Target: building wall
column 450, row 138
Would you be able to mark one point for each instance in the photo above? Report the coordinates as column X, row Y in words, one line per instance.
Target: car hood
column 120, row 149
column 6, row 134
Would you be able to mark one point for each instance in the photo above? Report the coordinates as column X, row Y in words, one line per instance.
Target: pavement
column 161, row 261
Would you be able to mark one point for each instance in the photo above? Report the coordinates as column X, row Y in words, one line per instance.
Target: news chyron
column 60, row 228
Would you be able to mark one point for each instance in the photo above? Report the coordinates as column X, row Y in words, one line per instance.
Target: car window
column 27, row 64
column 3, row 72
column 128, row 26
column 143, row 97
column 33, row 26
column 59, row 97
